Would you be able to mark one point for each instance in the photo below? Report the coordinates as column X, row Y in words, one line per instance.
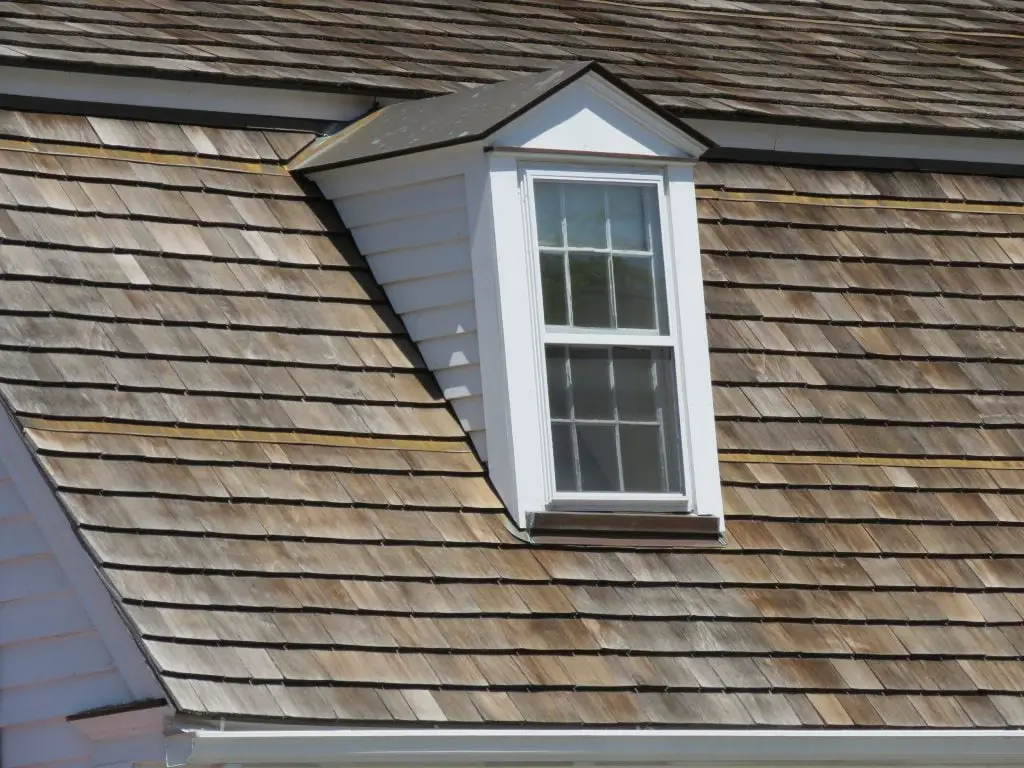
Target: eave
column 590, row 747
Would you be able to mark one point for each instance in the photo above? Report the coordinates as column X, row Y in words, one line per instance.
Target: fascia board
column 121, row 723
column 249, row 101
column 604, row 747
column 383, row 174
column 908, row 148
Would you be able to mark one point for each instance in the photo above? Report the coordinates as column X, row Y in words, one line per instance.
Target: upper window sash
column 600, row 254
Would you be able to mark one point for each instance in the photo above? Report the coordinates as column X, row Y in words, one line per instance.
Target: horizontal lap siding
column 53, row 662
column 415, row 238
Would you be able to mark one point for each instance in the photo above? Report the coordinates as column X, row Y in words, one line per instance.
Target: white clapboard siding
column 28, row 704
column 53, row 662
column 20, row 537
column 32, row 619
column 47, row 742
column 414, row 231
column 28, row 577
column 50, row 659
column 440, row 322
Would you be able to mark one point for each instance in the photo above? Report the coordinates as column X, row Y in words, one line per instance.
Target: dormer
column 538, row 238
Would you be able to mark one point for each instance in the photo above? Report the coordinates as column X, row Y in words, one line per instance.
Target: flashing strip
column 233, row 435
column 62, row 149
column 909, row 462
column 874, row 203
column 605, row 747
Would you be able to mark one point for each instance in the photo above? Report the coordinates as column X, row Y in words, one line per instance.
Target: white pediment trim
column 592, row 115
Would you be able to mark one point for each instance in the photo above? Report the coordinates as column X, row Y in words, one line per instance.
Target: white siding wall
column 414, row 232
column 53, row 662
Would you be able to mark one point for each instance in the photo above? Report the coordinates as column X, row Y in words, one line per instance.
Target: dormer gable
column 538, row 238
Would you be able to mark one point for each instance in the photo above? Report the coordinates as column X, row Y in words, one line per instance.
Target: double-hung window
column 540, row 242
column 609, row 332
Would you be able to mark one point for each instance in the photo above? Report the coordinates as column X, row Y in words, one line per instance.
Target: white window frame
column 519, row 432
column 590, row 501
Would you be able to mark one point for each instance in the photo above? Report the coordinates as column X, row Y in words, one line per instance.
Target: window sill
column 624, row 529
column 617, row 502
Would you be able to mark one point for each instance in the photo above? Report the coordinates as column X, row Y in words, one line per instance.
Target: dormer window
column 609, row 340
column 538, row 238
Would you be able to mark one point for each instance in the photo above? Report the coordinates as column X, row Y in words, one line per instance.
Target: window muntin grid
column 614, row 415
column 614, row 425
column 600, row 256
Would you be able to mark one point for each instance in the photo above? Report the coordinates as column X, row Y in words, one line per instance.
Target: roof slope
column 943, row 65
column 295, row 526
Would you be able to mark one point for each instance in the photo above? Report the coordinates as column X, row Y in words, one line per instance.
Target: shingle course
column 939, row 66
column 297, row 528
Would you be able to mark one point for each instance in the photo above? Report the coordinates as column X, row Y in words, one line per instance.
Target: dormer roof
column 478, row 114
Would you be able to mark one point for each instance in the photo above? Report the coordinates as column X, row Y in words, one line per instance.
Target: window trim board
column 697, row 403
column 512, row 351
column 624, row 501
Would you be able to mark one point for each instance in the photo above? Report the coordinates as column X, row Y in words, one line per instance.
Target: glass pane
column 549, row 214
column 599, row 462
column 584, row 215
column 634, row 292
column 634, row 385
column 552, row 280
column 641, row 458
column 673, row 460
column 565, row 465
column 591, row 294
column 615, row 423
column 667, row 399
column 628, row 224
column 591, row 383
column 558, row 382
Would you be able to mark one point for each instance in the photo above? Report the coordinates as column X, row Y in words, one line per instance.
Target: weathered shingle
column 943, row 65
column 296, row 527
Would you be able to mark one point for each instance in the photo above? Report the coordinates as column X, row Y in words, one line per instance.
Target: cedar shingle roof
column 295, row 526
column 942, row 65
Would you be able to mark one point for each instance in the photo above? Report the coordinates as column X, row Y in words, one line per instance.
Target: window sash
column 628, row 403
column 615, row 269
column 665, row 336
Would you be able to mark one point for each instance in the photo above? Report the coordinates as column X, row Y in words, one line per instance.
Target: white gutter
column 607, row 747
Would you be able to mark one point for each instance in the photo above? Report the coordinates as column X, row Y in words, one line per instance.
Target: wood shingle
column 297, row 527
column 942, row 66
